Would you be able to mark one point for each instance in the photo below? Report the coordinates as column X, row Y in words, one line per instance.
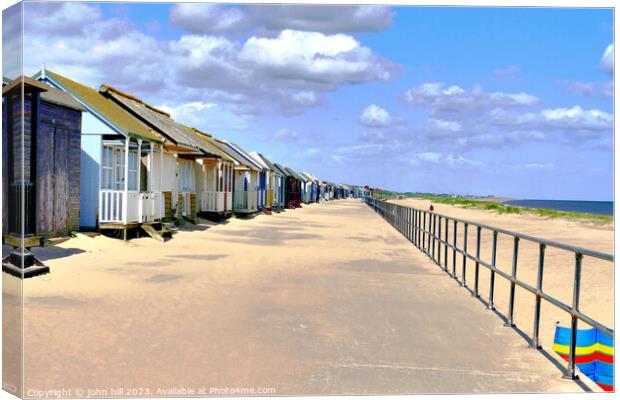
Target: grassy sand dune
column 499, row 207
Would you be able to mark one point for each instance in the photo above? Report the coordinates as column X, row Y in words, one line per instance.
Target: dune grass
column 494, row 205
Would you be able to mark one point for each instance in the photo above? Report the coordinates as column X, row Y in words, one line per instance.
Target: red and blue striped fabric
column 594, row 355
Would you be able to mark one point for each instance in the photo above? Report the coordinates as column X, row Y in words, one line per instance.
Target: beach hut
column 40, row 162
column 306, row 187
column 281, row 186
column 278, row 178
column 216, row 190
column 329, row 190
column 300, row 184
column 275, row 183
column 115, row 194
column 321, row 192
column 291, row 187
column 245, row 178
column 302, row 187
column 264, row 192
column 317, row 187
column 311, row 187
column 192, row 158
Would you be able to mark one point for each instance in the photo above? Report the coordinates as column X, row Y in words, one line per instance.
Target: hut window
column 186, row 176
column 119, row 169
column 133, row 170
column 107, row 170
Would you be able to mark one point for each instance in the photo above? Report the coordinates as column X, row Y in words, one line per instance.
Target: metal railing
column 424, row 229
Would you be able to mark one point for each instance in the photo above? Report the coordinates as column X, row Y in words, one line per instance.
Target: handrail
column 424, row 229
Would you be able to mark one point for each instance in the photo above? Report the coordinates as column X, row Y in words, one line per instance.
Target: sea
column 590, row 207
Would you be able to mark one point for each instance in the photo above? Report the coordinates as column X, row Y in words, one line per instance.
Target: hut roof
column 272, row 166
column 310, row 176
column 235, row 154
column 161, row 120
column 48, row 93
column 247, row 156
column 106, row 109
column 282, row 169
column 211, row 141
column 295, row 174
column 260, row 160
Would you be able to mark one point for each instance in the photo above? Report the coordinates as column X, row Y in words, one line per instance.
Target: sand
column 327, row 299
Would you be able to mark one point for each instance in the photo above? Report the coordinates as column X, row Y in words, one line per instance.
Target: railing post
column 412, row 227
column 454, row 250
column 424, row 231
column 439, row 243
column 407, row 224
column 445, row 254
column 539, row 282
column 428, row 237
column 415, row 226
column 573, row 325
column 433, row 234
column 511, row 300
column 463, row 272
column 492, row 280
column 418, row 228
column 477, row 268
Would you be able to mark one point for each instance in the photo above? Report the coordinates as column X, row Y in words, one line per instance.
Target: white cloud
column 376, row 117
column 441, row 126
column 578, row 118
column 285, row 74
column 68, row 18
column 305, row 98
column 267, row 19
column 607, row 60
column 573, row 124
column 210, row 117
column 567, row 119
column 211, row 18
column 468, row 118
column 439, row 98
column 326, row 60
column 440, row 159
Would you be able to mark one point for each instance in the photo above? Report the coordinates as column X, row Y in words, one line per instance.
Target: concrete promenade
column 327, row 299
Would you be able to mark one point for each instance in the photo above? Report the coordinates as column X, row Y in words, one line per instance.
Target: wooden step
column 193, row 220
column 154, row 233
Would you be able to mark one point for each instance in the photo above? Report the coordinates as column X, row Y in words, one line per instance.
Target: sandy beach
column 327, row 299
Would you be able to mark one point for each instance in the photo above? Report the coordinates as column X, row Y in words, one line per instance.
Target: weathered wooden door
column 61, row 179
column 52, row 179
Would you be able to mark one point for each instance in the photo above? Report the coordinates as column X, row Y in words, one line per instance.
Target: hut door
column 53, row 179
column 61, row 180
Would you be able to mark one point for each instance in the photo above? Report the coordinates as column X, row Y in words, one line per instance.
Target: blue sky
column 514, row 102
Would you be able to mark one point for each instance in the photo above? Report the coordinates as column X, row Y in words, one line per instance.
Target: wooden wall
column 58, row 169
column 20, row 130
column 5, row 170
